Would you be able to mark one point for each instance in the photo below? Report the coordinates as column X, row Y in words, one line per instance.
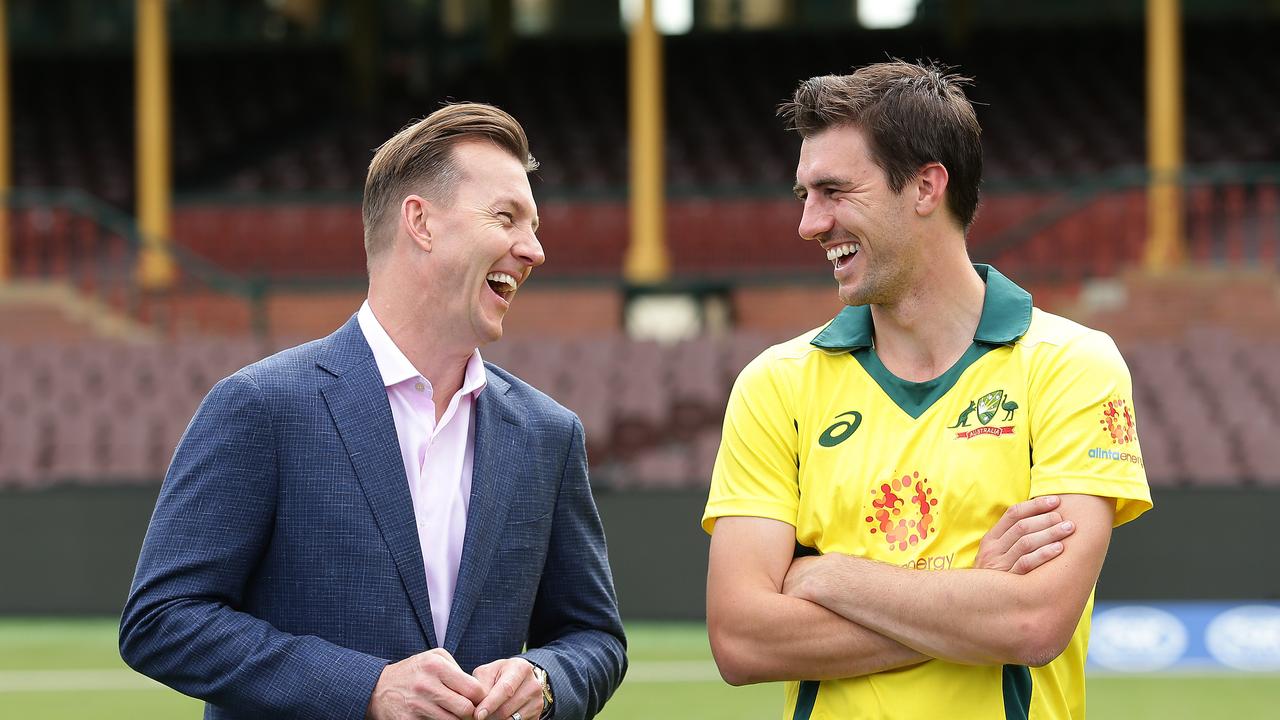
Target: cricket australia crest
column 985, row 409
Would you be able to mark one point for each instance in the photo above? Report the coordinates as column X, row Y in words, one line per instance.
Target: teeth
column 503, row 278
column 841, row 250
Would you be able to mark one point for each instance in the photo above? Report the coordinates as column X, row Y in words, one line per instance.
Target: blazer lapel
column 500, row 441
column 357, row 401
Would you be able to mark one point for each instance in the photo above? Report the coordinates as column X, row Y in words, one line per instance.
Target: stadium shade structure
column 156, row 270
column 1164, row 134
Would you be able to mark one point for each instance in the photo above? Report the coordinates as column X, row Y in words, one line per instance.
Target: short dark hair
column 419, row 158
column 912, row 114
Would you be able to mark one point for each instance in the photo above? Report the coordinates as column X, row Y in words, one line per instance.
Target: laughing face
column 861, row 224
column 483, row 243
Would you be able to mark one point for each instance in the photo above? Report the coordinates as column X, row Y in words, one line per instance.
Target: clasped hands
column 431, row 686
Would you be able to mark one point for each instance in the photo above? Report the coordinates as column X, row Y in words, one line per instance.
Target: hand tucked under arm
column 1025, row 537
column 972, row 616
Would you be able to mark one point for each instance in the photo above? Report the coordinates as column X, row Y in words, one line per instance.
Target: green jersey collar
column 1006, row 315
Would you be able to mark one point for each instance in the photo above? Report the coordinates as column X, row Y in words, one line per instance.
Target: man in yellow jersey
column 893, row 439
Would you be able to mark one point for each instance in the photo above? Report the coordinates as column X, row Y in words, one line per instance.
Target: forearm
column 575, row 632
column 585, row 668
column 207, row 650
column 971, row 616
column 977, row 617
column 766, row 636
column 182, row 624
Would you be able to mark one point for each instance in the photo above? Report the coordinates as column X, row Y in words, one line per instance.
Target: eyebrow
column 820, row 183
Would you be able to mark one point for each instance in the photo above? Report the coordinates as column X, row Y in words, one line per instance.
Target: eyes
column 826, row 192
column 509, row 219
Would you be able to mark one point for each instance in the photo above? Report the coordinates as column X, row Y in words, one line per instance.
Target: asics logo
column 841, row 430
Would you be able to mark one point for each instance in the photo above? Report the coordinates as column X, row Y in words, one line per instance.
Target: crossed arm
column 772, row 618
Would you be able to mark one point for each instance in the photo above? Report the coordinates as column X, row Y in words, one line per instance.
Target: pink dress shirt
column 438, row 459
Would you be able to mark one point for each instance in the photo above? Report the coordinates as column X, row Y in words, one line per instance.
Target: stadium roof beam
column 1164, row 249
column 646, row 260
column 156, row 270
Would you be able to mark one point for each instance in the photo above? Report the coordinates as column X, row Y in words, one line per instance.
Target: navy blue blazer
column 282, row 569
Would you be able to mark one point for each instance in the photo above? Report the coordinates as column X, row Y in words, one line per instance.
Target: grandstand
column 268, row 203
column 276, row 108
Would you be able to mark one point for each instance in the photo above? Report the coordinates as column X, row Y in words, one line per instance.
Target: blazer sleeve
column 575, row 632
column 214, row 516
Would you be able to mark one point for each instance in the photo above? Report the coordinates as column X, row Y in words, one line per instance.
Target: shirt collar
column 1006, row 315
column 395, row 368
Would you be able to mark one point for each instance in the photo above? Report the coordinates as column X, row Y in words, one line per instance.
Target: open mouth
column 502, row 285
column 842, row 255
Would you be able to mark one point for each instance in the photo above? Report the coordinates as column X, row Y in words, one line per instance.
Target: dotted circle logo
column 1117, row 420
column 903, row 511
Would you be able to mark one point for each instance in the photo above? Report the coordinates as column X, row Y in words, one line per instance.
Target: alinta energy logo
column 986, row 408
column 903, row 511
column 1121, row 428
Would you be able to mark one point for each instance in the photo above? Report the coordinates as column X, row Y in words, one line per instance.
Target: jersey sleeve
column 1084, row 437
column 756, row 472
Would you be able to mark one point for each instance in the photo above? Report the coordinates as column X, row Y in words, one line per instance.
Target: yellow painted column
column 156, row 270
column 6, row 180
column 646, row 259
column 1164, row 248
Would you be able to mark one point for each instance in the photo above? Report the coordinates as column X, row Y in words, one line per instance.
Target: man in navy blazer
column 378, row 524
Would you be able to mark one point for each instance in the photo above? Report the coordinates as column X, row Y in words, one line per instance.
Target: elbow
column 1040, row 655
column 132, row 644
column 732, row 670
column 1040, row 640
column 130, row 649
column 732, row 656
column 138, row 639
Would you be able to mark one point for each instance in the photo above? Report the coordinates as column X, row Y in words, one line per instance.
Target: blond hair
column 419, row 159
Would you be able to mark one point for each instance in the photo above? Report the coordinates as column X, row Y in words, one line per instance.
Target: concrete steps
column 42, row 310
column 1139, row 306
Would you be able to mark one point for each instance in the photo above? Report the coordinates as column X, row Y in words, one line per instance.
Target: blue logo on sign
column 1135, row 638
column 1246, row 638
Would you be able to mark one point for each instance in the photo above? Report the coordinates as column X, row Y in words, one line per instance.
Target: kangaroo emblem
column 963, row 420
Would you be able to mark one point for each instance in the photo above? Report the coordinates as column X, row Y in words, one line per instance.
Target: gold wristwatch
column 548, row 699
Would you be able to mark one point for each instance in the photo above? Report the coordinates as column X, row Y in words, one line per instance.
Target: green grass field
column 55, row 669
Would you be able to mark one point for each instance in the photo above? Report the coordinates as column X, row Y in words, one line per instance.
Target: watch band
column 548, row 699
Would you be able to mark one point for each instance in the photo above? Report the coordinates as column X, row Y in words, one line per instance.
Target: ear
column 415, row 216
column 931, row 189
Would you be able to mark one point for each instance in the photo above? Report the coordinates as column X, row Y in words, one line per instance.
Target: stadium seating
column 1208, row 405
column 267, row 184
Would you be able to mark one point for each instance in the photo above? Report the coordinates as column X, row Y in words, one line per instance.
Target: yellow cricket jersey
column 820, row 435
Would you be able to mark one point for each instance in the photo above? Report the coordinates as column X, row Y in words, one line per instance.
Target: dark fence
column 72, row 550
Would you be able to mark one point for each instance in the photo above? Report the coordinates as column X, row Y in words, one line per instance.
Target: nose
column 529, row 251
column 816, row 221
